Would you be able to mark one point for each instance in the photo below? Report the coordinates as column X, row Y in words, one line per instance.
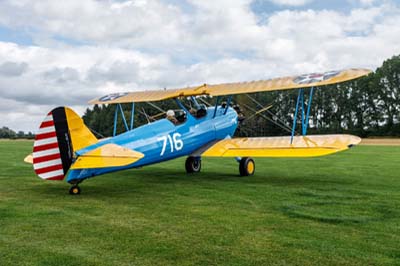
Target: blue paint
column 216, row 106
column 304, row 116
column 132, row 115
column 115, row 121
column 181, row 105
column 195, row 102
column 148, row 139
column 123, row 117
column 228, row 103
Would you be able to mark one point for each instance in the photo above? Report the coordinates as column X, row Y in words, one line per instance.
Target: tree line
column 7, row 133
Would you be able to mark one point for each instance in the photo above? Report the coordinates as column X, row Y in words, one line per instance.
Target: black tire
column 193, row 164
column 75, row 190
column 247, row 166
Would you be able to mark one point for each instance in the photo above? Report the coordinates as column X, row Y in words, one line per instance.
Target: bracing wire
column 282, row 125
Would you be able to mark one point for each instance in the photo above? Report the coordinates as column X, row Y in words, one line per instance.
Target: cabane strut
column 118, row 109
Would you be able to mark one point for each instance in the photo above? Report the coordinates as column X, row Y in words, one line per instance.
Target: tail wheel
column 75, row 190
column 247, row 166
column 193, row 164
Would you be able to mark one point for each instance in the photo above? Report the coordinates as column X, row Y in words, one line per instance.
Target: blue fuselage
column 162, row 140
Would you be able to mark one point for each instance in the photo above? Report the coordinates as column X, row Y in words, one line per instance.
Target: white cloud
column 96, row 21
column 292, row 2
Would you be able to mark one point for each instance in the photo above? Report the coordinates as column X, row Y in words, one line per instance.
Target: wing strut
column 304, row 115
column 132, row 115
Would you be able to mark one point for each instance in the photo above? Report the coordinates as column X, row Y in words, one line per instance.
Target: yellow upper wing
column 302, row 146
column 302, row 81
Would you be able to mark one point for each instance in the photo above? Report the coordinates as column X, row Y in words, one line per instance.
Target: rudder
column 60, row 134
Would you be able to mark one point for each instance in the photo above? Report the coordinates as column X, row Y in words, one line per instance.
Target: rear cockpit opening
column 198, row 111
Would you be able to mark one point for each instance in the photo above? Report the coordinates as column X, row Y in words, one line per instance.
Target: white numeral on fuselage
column 175, row 142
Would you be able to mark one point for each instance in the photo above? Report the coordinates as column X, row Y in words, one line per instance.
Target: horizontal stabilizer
column 302, row 146
column 29, row 159
column 109, row 155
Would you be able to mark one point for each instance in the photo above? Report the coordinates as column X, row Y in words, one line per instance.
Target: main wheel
column 193, row 164
column 247, row 166
column 75, row 190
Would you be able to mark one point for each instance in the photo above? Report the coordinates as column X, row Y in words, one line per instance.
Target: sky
column 64, row 53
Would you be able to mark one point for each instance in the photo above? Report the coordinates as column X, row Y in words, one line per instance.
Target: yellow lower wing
column 302, row 146
column 109, row 155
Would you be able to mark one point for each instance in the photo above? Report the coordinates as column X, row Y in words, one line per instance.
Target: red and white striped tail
column 47, row 161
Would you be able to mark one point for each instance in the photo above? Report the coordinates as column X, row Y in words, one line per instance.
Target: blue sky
column 267, row 7
column 67, row 52
column 19, row 36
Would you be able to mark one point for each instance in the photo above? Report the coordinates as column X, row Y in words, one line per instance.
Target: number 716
column 175, row 142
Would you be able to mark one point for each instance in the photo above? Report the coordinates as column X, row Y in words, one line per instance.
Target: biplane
column 65, row 147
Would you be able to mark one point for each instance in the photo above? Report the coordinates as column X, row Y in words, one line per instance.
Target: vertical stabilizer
column 60, row 134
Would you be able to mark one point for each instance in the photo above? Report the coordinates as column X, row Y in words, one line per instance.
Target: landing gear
column 75, row 190
column 193, row 164
column 247, row 166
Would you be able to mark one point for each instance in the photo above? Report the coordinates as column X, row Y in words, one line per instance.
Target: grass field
column 342, row 209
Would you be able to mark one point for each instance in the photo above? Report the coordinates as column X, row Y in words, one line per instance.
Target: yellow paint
column 81, row 136
column 29, row 159
column 250, row 167
column 309, row 146
column 233, row 88
column 109, row 155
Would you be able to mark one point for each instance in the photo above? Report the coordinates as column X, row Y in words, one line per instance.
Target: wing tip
column 29, row 158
